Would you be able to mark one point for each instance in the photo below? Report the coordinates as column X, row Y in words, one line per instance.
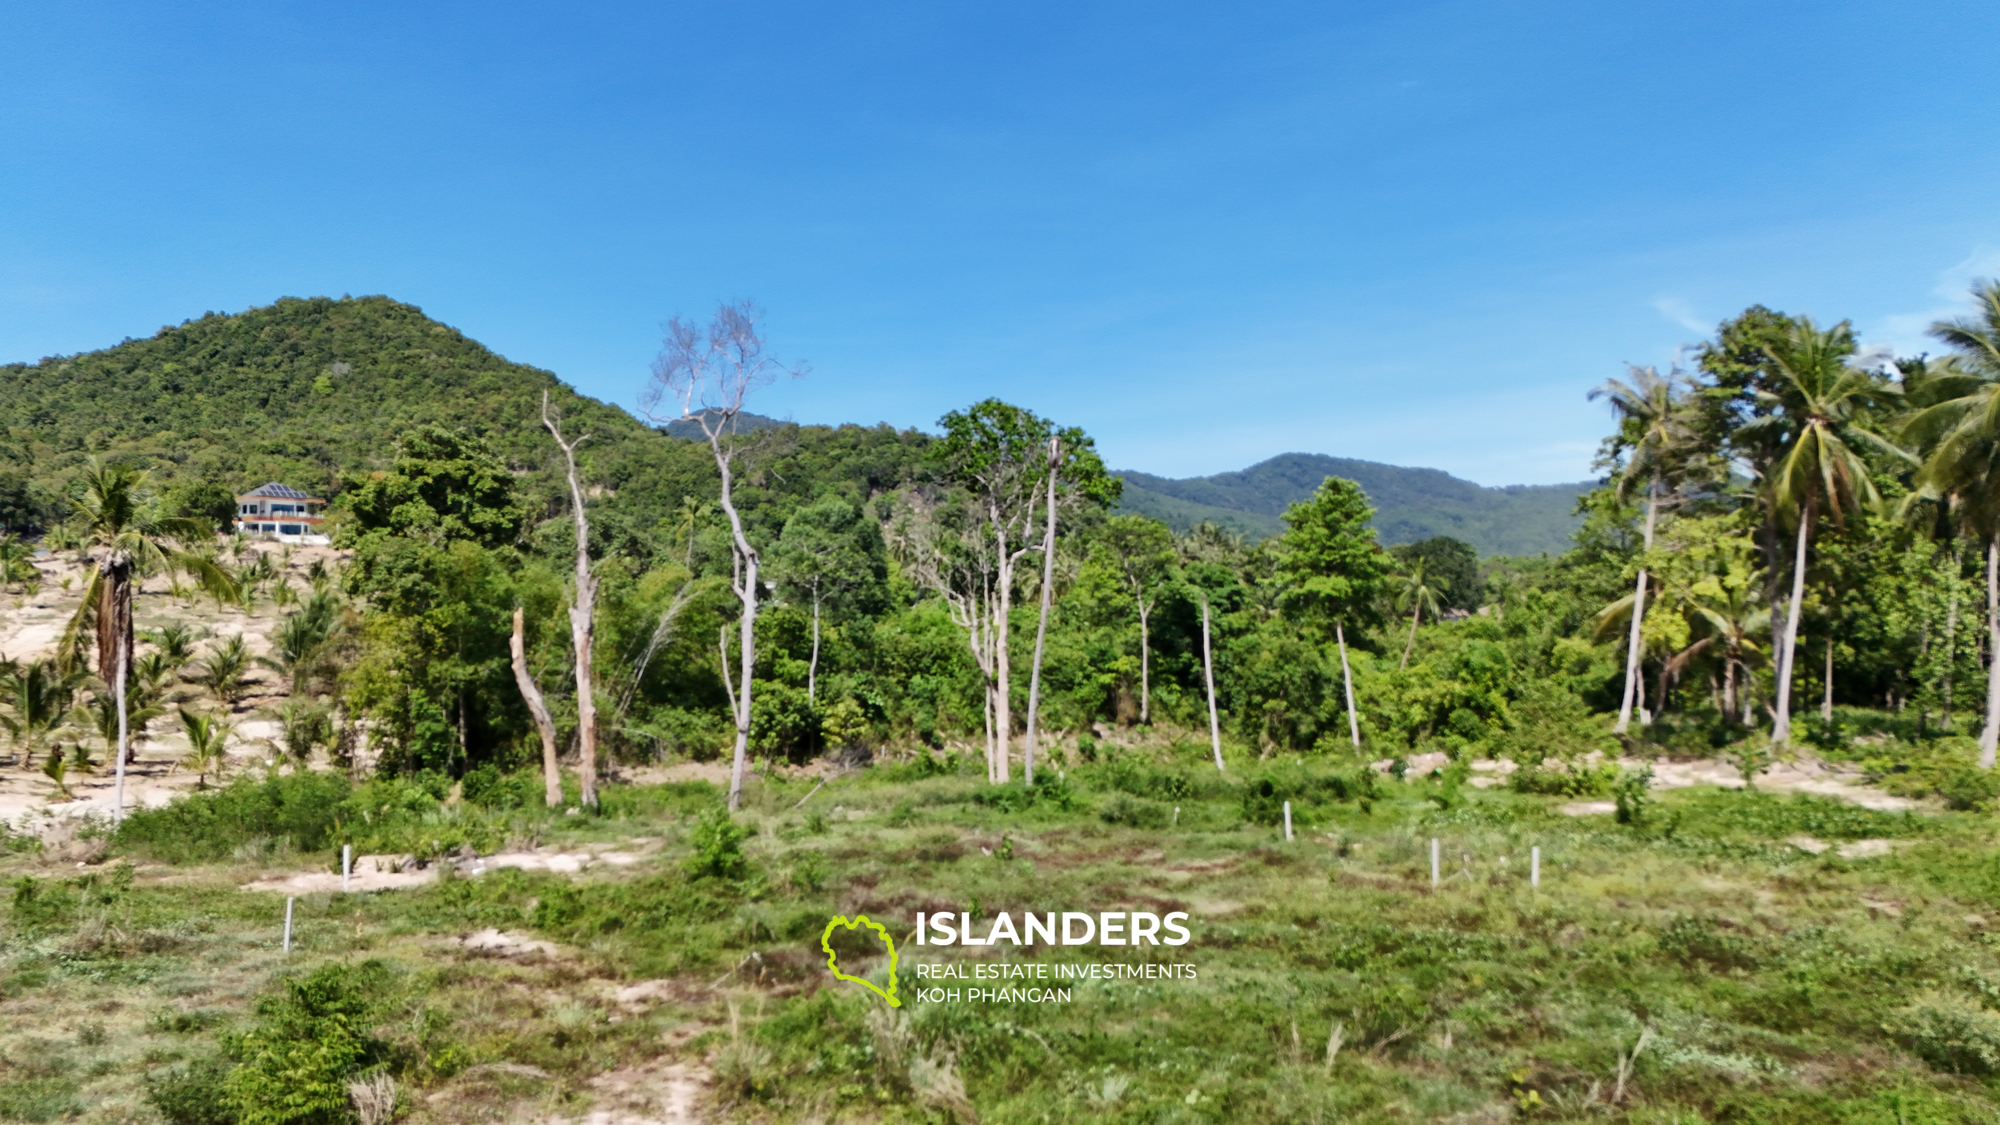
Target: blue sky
column 1208, row 234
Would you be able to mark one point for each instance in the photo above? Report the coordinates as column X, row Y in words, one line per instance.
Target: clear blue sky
column 1415, row 233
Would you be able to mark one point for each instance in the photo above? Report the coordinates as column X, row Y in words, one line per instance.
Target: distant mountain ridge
column 1410, row 504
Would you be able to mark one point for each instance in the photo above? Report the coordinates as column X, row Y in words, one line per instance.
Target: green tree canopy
column 445, row 485
column 1451, row 567
column 1331, row 565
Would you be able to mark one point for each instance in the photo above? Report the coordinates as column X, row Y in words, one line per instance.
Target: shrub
column 1949, row 1032
column 1050, row 791
column 718, row 847
column 201, row 827
column 1632, row 791
column 193, row 1094
column 312, row 1038
column 1970, row 789
column 1558, row 781
column 1135, row 812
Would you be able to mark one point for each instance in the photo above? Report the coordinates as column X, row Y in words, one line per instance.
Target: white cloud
column 1678, row 311
column 1909, row 333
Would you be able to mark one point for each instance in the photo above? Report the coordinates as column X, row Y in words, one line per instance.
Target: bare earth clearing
column 30, row 628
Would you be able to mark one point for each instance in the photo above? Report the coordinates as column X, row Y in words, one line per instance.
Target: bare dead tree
column 706, row 374
column 582, row 620
column 963, row 572
column 517, row 647
column 1042, row 626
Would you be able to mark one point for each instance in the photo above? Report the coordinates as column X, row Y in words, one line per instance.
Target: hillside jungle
column 1757, row 809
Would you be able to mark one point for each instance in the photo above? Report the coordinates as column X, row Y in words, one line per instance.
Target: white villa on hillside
column 275, row 511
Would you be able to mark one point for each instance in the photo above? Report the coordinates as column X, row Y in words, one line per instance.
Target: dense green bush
column 311, row 1039
column 195, row 1094
column 300, row 809
column 718, row 847
column 1051, row 791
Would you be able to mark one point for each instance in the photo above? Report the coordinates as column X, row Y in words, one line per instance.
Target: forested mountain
column 312, row 391
column 1411, row 504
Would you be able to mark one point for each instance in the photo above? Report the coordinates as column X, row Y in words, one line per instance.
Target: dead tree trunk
column 545, row 725
column 1042, row 628
column 582, row 622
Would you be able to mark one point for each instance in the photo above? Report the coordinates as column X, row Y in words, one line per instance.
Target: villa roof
column 275, row 491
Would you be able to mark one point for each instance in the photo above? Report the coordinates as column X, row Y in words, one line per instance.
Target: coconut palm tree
column 141, row 707
column 1960, row 437
column 1416, row 595
column 15, row 567
column 222, row 671
column 1816, row 415
column 1661, row 450
column 40, row 697
column 115, row 522
column 207, row 738
column 299, row 642
column 1733, row 618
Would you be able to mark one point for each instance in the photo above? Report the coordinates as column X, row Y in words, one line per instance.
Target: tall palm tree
column 129, row 539
column 1961, row 439
column 1816, row 414
column 1416, row 595
column 1660, row 444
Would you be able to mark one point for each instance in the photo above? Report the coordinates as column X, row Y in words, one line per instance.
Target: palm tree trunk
column 1412, row 642
column 1781, row 724
column 118, row 700
column 1347, row 681
column 1989, row 737
column 1208, row 673
column 545, row 725
column 1728, row 689
column 1633, row 688
column 1951, row 635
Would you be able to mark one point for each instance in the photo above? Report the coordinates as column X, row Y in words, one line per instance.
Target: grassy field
column 1697, row 965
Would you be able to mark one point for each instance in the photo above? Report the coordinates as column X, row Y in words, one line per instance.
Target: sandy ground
column 653, row 1093
column 29, row 630
column 392, row 872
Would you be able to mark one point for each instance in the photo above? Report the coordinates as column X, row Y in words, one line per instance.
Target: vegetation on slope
column 1410, row 504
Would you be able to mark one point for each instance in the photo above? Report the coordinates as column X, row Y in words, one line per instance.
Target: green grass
column 1776, row 985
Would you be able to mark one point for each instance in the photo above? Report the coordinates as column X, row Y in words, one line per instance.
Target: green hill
column 1411, row 504
column 312, row 391
column 300, row 391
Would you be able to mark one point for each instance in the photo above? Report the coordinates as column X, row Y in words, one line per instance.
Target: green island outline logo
column 826, row 945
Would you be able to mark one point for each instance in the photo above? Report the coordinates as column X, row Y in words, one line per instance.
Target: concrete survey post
column 1434, row 862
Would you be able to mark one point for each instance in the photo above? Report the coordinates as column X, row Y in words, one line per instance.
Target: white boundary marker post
column 1288, row 821
column 288, row 924
column 1535, row 867
column 346, row 865
column 1434, row 862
